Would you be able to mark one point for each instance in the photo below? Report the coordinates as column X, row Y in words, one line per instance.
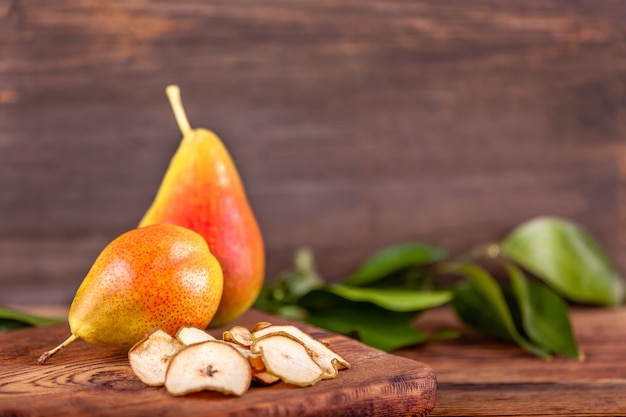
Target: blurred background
column 354, row 124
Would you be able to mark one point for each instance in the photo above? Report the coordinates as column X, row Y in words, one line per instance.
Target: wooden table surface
column 480, row 376
column 87, row 380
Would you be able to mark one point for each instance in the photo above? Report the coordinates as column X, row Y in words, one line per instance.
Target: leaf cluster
column 518, row 289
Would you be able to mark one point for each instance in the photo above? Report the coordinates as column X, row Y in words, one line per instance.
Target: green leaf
column 281, row 297
column 472, row 308
column 371, row 324
column 394, row 299
column 480, row 303
column 290, row 312
column 394, row 259
column 566, row 258
column 304, row 277
column 266, row 301
column 544, row 315
column 13, row 319
column 8, row 324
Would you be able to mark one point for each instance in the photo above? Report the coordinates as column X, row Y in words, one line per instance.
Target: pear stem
column 173, row 94
column 46, row 355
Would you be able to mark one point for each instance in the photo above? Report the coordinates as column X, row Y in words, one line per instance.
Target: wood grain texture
column 480, row 376
column 355, row 124
column 476, row 375
column 89, row 380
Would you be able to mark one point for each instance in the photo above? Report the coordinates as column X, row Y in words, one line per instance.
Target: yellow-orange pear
column 161, row 276
column 202, row 190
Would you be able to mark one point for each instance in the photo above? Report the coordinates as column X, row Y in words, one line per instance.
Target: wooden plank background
column 355, row 124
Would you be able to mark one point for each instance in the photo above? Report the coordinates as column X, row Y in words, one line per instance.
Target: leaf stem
column 489, row 251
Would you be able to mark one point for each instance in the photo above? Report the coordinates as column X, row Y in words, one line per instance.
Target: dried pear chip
column 329, row 360
column 239, row 335
column 265, row 377
column 261, row 325
column 212, row 365
column 189, row 335
column 288, row 359
column 256, row 362
column 150, row 357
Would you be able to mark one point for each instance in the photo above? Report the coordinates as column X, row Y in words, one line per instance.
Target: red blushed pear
column 161, row 276
column 202, row 190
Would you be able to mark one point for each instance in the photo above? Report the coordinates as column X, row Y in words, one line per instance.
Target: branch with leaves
column 546, row 263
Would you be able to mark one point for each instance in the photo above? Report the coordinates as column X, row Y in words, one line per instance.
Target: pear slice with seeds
column 239, row 335
column 189, row 335
column 288, row 359
column 213, row 365
column 150, row 357
column 329, row 360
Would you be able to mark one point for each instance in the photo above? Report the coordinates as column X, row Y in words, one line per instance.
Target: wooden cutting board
column 89, row 380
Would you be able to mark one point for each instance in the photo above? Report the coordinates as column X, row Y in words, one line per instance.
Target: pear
column 202, row 190
column 161, row 276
